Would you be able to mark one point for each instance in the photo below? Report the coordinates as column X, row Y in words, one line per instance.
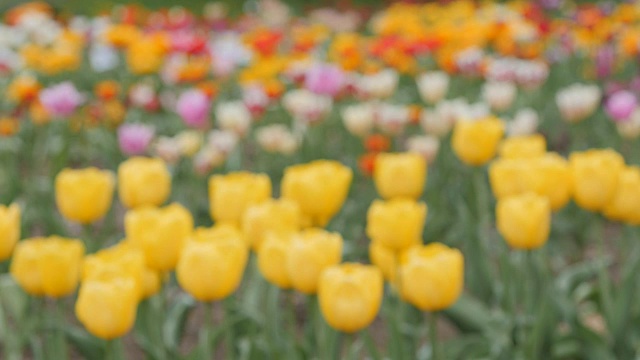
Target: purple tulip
column 193, row 106
column 324, row 79
column 621, row 105
column 61, row 100
column 134, row 139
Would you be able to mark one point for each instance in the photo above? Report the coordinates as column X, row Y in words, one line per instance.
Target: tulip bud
column 358, row 118
column 400, row 175
column 508, row 176
column 9, row 229
column 230, row 195
column 519, row 147
column 433, row 86
column 524, row 220
column 273, row 257
column 273, row 216
column 550, row 176
column 119, row 261
column 312, row 251
column 625, row 204
column 350, row 296
column 143, row 182
column 432, row 276
column 476, row 142
column 499, row 94
column 595, row 177
column 396, row 223
column 84, row 195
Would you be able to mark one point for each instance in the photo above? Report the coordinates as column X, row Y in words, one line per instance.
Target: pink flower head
column 324, row 79
column 134, row 139
column 193, row 107
column 61, row 100
column 621, row 105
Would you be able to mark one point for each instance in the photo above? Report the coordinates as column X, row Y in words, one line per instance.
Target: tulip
column 508, row 176
column 84, row 195
column 220, row 231
column 433, row 86
column 107, row 308
column 319, row 187
column 230, row 195
column 386, row 259
column 61, row 100
column 621, row 105
column 143, row 182
column 432, row 276
column 312, row 251
column 325, row 79
column 397, row 223
column 211, row 269
column 350, row 296
column 524, row 220
column 625, row 204
column 595, row 177
column 48, row 266
column 476, row 142
column 400, row 175
column 277, row 216
column 134, row 139
column 519, row 147
column 10, row 229
column 160, row 233
column 119, row 261
column 499, row 94
column 233, row 116
column 193, row 106
column 578, row 101
column 272, row 259
column 550, row 176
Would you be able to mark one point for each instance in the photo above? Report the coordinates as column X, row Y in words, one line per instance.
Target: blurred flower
column 10, row 229
column 134, row 139
column 387, row 259
column 391, row 119
column 578, row 101
column 143, row 182
column 189, row 142
column 310, row 253
column 47, row 266
column 121, row 261
column 531, row 74
column 379, row 85
column 499, row 94
column 193, row 107
column 281, row 217
column 272, row 258
column 160, row 233
column 107, row 308
column 103, row 58
column 168, row 149
column 255, row 99
column 324, row 79
column 400, row 175
column 522, row 147
column 625, row 204
column 306, row 106
column 476, row 142
column 23, row 88
column 595, row 175
column 276, row 138
column 524, row 220
column 232, row 194
column 433, row 86
column 233, row 116
column 550, row 176
column 620, row 105
column 426, row 145
column 524, row 123
column 350, row 296
column 432, row 276
column 319, row 187
column 207, row 158
column 84, row 195
column 211, row 269
column 61, row 100
column 397, row 223
column 142, row 95
column 630, row 129
column 358, row 118
column 222, row 140
column 507, row 176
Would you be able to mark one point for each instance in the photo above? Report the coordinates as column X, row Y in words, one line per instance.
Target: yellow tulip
column 595, row 177
column 48, row 266
column 212, row 270
column 9, row 229
column 625, row 204
column 523, row 147
column 508, row 177
column 160, row 233
column 312, row 251
column 277, row 216
column 386, row 259
column 550, row 176
column 400, row 175
column 230, row 195
column 144, row 56
column 476, row 142
column 350, row 296
column 143, row 182
column 107, row 308
column 272, row 259
column 524, row 220
column 432, row 276
column 397, row 223
column 84, row 195
column 217, row 231
column 319, row 187
column 119, row 261
column 151, row 283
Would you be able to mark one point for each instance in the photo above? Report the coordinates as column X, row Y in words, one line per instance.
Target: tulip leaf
column 173, row 328
column 12, row 298
column 89, row 346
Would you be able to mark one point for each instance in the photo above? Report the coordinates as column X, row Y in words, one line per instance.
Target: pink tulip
column 134, row 139
column 193, row 107
column 324, row 79
column 61, row 100
column 621, row 105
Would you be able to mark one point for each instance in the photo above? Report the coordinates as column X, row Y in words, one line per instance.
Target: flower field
column 441, row 180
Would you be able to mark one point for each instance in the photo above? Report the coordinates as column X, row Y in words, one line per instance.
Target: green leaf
column 89, row 346
column 173, row 328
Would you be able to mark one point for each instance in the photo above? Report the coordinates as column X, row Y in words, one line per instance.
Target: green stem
column 433, row 335
column 88, row 237
column 230, row 339
column 59, row 336
column 114, row 350
column 205, row 336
